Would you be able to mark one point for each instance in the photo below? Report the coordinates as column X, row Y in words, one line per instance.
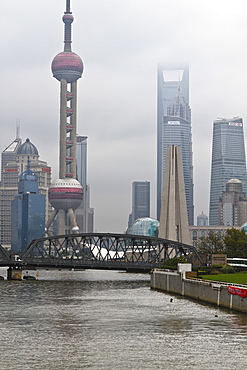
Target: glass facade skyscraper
column 84, row 214
column 228, row 160
column 27, row 212
column 174, row 127
column 140, row 201
column 81, row 175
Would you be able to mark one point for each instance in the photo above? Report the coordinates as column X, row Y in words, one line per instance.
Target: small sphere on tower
column 67, row 65
column 65, row 194
column 68, row 18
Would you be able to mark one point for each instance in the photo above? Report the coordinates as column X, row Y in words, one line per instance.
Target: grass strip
column 238, row 278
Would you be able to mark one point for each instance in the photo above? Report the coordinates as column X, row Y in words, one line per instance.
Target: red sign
column 46, row 169
column 242, row 292
column 11, row 170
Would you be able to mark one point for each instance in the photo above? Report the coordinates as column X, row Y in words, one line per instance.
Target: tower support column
column 73, row 123
column 174, row 217
column 63, row 121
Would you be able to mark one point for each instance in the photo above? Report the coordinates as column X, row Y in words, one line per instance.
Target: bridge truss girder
column 4, row 256
column 113, row 251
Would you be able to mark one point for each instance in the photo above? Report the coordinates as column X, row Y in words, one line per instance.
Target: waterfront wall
column 203, row 290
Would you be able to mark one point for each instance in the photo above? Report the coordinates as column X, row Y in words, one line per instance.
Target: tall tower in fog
column 228, row 161
column 174, row 128
column 65, row 194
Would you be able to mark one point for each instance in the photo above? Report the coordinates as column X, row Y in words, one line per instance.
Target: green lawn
column 238, row 278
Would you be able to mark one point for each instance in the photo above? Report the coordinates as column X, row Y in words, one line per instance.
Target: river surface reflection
column 112, row 320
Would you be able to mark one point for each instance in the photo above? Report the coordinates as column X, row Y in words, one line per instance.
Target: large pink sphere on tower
column 65, row 194
column 67, row 65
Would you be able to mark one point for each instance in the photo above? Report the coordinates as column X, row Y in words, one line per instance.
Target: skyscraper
column 27, row 212
column 82, row 212
column 140, row 200
column 228, row 160
column 174, row 128
column 14, row 162
column 67, row 68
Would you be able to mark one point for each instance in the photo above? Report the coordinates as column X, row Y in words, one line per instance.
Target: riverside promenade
column 231, row 296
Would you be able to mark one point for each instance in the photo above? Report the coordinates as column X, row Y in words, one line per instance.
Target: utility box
column 184, row 267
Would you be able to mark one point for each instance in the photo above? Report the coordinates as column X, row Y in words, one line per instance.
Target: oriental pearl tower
column 66, row 193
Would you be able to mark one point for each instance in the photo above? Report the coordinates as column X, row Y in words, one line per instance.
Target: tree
column 236, row 243
column 213, row 243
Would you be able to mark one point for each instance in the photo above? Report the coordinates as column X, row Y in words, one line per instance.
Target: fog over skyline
column 121, row 44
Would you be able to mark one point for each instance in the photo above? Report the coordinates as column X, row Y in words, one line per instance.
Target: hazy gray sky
column 121, row 43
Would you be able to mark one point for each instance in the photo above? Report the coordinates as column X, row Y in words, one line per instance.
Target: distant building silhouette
column 90, row 227
column 140, row 201
column 27, row 212
column 174, row 128
column 202, row 219
column 14, row 162
column 228, row 160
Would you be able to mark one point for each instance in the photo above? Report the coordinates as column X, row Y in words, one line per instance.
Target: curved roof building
column 27, row 148
column 144, row 226
column 234, row 185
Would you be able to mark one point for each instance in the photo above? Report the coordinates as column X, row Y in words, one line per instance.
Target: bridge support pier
column 14, row 273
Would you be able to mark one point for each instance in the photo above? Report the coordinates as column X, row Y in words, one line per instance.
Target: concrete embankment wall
column 206, row 291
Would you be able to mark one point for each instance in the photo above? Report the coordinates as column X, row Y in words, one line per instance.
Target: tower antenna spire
column 18, row 128
column 68, row 6
column 68, row 20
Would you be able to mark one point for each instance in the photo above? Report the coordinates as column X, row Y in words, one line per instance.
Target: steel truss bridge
column 100, row 251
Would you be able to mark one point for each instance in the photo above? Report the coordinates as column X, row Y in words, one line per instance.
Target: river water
column 112, row 320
